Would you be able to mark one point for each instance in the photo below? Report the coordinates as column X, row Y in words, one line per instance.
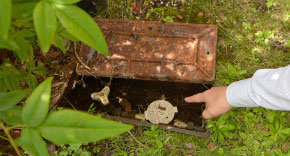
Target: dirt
column 140, row 93
column 5, row 148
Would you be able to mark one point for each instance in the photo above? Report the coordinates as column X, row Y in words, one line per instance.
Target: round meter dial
column 160, row 111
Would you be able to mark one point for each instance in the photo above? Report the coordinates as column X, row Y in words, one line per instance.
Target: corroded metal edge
column 205, row 134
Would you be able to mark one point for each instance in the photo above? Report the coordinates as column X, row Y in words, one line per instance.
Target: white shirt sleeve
column 269, row 88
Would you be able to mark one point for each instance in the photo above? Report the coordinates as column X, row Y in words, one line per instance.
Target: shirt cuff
column 237, row 94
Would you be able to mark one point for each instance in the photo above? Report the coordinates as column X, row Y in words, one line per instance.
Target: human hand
column 215, row 101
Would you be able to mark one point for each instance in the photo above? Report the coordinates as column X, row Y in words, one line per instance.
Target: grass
column 252, row 35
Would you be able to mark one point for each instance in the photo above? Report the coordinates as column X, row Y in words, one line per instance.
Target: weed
column 72, row 150
column 92, row 109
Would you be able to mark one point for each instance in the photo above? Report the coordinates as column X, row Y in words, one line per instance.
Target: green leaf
column 45, row 24
column 221, row 138
column 30, row 65
column 285, row 131
column 268, row 143
column 22, row 1
column 12, row 82
column 70, row 127
column 37, row 104
column 39, row 70
column 3, row 74
column 31, row 142
column 59, row 42
column 259, row 34
column 82, row 26
column 10, row 76
column 31, row 81
column 22, row 9
column 23, row 23
column 10, row 99
column 65, row 1
column 27, row 33
column 7, row 44
column 68, row 36
column 23, row 44
column 227, row 127
column 12, row 116
column 5, row 17
column 270, row 116
column 3, row 87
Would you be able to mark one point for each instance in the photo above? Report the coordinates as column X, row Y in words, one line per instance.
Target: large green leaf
column 8, row 44
column 10, row 99
column 69, row 127
column 31, row 142
column 12, row 116
column 5, row 17
column 82, row 26
column 45, row 24
column 37, row 104
column 65, row 1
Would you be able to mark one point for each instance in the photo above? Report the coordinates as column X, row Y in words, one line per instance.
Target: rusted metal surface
column 203, row 134
column 154, row 50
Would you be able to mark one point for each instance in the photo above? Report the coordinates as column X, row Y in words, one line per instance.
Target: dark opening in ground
column 140, row 93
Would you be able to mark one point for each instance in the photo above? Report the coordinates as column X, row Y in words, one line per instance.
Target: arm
column 269, row 88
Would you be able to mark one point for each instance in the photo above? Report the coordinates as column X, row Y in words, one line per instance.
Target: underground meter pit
column 140, row 93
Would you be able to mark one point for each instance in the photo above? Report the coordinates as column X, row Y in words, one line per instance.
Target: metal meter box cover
column 151, row 50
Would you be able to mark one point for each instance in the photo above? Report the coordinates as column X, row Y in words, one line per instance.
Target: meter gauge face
column 160, row 111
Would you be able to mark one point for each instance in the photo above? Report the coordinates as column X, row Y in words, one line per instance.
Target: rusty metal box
column 151, row 50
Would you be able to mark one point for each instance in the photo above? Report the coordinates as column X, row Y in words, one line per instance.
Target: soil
column 140, row 93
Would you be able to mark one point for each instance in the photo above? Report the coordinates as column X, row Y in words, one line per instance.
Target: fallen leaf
column 179, row 16
column 200, row 14
column 211, row 146
column 189, row 145
column 53, row 54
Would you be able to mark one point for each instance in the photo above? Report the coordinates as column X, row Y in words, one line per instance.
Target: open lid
column 151, row 50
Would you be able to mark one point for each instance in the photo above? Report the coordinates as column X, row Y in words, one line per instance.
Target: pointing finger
column 195, row 98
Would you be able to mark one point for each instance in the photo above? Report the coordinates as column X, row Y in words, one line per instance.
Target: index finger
column 195, row 98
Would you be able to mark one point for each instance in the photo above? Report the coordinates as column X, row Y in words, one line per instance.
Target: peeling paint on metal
column 154, row 50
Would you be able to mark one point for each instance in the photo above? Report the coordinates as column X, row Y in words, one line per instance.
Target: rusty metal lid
column 151, row 50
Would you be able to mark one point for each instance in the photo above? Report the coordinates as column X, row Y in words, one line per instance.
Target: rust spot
column 161, row 108
column 154, row 51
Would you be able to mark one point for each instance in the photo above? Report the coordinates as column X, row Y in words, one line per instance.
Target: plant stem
column 2, row 137
column 15, row 127
column 10, row 138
